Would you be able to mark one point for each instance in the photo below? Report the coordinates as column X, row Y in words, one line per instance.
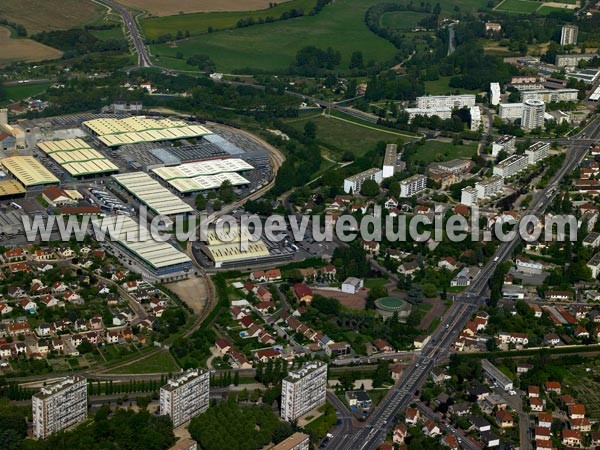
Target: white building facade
column 505, row 143
column 511, row 166
column 489, row 187
column 413, row 185
column 446, row 101
column 495, row 94
column 537, row 152
column 354, row 183
column 303, row 390
column 533, row 114
column 185, row 396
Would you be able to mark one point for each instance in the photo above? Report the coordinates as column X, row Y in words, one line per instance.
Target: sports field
column 199, row 23
column 167, row 8
column 273, row 46
column 45, row 15
column 402, row 20
column 518, row 6
column 12, row 50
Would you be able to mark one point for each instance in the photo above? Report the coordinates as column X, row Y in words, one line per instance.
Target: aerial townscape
column 306, row 224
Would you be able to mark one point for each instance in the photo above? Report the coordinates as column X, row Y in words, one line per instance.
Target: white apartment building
column 468, row 196
column 355, row 182
column 495, row 93
column 511, row 166
column 446, row 101
column 303, row 390
column 489, row 187
column 185, row 396
column 533, row 114
column 506, row 143
column 568, row 35
column 59, row 406
column 443, row 112
column 572, row 60
column 510, row 111
column 550, row 95
column 537, row 152
column 413, row 185
column 389, row 161
column 297, row 441
column 454, row 166
column 475, row 118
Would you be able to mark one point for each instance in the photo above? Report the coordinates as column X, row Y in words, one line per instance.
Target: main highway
column 373, row 432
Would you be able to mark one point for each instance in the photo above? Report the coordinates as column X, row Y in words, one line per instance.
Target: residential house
column 303, row 293
column 504, row 419
column 431, row 429
column 400, row 434
column 572, row 438
column 552, row 386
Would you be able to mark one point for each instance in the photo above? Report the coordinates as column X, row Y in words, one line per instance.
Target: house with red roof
column 303, row 293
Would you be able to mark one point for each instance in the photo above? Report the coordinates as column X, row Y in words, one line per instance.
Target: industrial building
column 59, row 406
column 204, row 175
column 568, row 34
column 11, row 189
column 551, row 95
column 137, row 129
column 78, row 158
column 533, row 114
column 504, row 143
column 389, row 161
column 151, row 193
column 496, row 375
column 441, row 112
column 413, row 185
column 354, row 183
column 160, row 259
column 588, row 76
column 185, row 396
column 446, row 101
column 303, row 390
column 537, row 152
column 232, row 251
column 511, row 166
column 489, row 187
column 495, row 94
column 29, row 171
column 510, row 111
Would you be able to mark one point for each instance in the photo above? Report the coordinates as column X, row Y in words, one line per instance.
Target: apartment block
column 489, row 187
column 297, row 441
column 442, row 112
column 475, row 112
column 533, row 114
column 59, row 406
column 185, row 396
column 551, row 95
column 495, row 93
column 303, row 390
column 537, row 152
column 510, row 111
column 413, row 185
column 505, row 143
column 354, row 183
column 568, row 35
column 389, row 161
column 511, row 166
column 446, row 101
column 468, row 196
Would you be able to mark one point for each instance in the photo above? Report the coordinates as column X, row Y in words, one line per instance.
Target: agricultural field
column 518, row 6
column 46, row 15
column 442, row 151
column 339, row 135
column 12, row 50
column 273, row 46
column 163, row 8
column 402, row 20
column 199, row 23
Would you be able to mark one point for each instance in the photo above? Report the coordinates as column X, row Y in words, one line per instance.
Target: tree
column 200, row 202
column 369, row 188
column 226, row 193
column 310, row 130
column 217, row 205
column 356, row 60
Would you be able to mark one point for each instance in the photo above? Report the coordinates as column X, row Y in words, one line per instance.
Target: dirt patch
column 172, row 7
column 437, row 311
column 192, row 291
column 354, row 301
column 12, row 50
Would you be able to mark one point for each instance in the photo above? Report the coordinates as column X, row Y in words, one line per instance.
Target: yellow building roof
column 9, row 188
column 77, row 157
column 29, row 171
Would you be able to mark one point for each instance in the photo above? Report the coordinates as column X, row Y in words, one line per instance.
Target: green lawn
column 442, row 151
column 440, row 87
column 159, row 362
column 519, row 6
column 340, row 136
column 273, row 46
column 198, row 23
column 21, row 91
column 402, row 20
column 545, row 10
column 112, row 33
column 371, row 283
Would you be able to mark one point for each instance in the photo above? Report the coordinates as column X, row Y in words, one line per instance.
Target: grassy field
column 401, row 20
column 340, row 136
column 12, row 50
column 112, row 33
column 273, row 46
column 440, row 87
column 159, row 362
column 200, row 22
column 518, row 6
column 22, row 91
column 167, row 8
column 44, row 15
column 431, row 149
